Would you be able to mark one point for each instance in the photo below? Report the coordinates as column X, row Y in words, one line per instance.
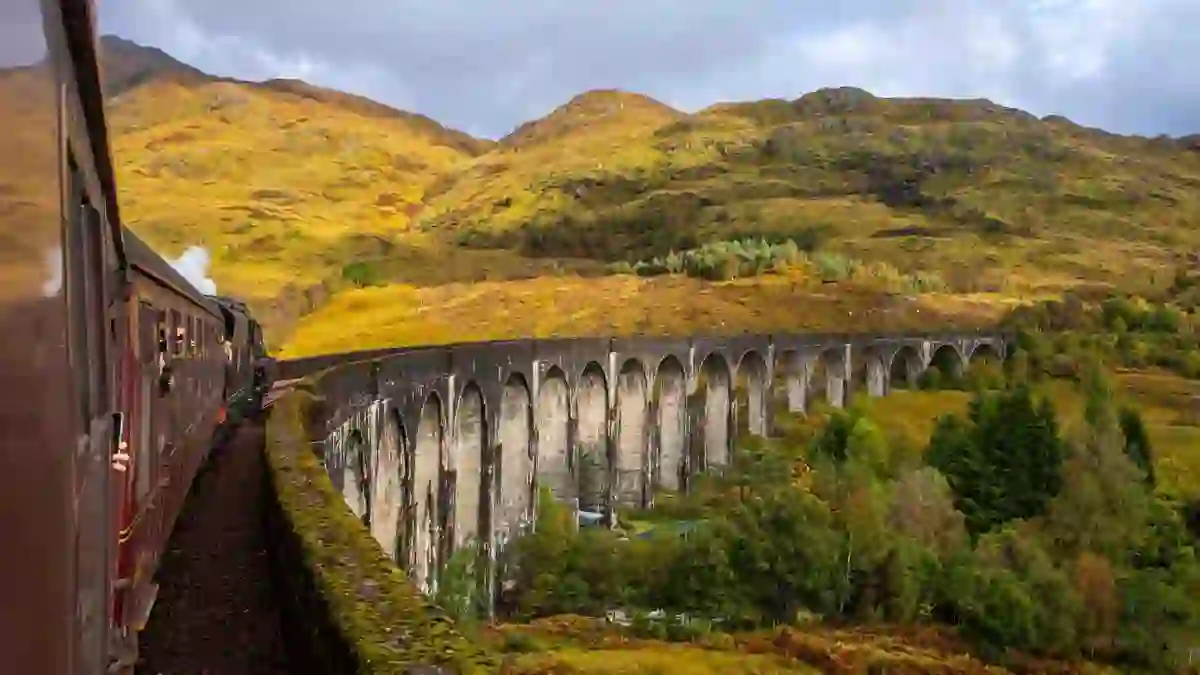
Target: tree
column 835, row 437
column 922, row 510
column 1137, row 443
column 1004, row 462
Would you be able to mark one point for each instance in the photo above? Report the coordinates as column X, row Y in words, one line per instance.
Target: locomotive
column 117, row 377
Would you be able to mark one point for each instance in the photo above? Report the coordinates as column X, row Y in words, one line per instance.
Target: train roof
column 143, row 259
column 232, row 303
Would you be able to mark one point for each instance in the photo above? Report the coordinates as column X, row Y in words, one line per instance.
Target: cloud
column 486, row 66
column 193, row 265
column 21, row 40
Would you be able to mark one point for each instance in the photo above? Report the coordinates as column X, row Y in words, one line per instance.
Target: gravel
column 216, row 613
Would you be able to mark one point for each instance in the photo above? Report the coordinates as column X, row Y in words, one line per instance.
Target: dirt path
column 215, row 614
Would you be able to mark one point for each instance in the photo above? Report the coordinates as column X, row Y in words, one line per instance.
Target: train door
column 89, row 349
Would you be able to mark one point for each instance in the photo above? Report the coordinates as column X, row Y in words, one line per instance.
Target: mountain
column 125, row 64
column 285, row 183
column 364, row 106
column 988, row 196
column 299, row 191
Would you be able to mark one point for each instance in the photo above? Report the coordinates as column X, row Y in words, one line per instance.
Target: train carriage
column 115, row 372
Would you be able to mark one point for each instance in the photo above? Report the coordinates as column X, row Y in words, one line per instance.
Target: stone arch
column 827, row 376
column 790, row 382
column 514, row 468
column 711, row 409
column 426, row 519
column 750, row 394
column 389, row 496
column 986, row 351
column 869, row 371
column 629, row 452
column 466, row 466
column 905, row 368
column 947, row 360
column 670, row 402
column 591, row 465
column 553, row 438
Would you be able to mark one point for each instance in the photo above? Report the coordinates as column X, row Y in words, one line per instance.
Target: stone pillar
column 796, row 383
column 877, row 375
column 573, row 459
column 651, row 478
column 756, row 399
column 913, row 368
column 837, row 378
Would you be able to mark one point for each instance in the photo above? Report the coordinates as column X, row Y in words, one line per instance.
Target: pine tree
column 1004, row 461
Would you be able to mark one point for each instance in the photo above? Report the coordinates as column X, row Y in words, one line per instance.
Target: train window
column 173, row 337
column 147, row 333
column 97, row 307
column 189, row 335
column 76, row 281
column 162, row 342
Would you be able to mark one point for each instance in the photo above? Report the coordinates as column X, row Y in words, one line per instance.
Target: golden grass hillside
column 302, row 191
column 280, row 187
column 29, row 188
column 987, row 196
column 573, row 306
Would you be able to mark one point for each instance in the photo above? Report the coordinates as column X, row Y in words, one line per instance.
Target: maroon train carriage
column 114, row 372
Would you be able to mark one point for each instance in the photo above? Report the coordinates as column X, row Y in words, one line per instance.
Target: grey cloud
column 21, row 40
column 486, row 66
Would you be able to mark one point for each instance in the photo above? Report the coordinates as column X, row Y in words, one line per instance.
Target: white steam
column 193, row 265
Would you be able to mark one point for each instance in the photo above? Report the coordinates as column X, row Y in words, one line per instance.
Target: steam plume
column 193, row 265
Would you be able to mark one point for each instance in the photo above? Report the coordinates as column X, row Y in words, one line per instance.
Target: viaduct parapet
column 438, row 447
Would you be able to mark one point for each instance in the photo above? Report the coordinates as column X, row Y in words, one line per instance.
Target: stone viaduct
column 436, row 447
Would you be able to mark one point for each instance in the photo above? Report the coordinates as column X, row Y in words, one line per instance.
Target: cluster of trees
column 1060, row 336
column 1024, row 536
column 728, row 259
column 720, row 260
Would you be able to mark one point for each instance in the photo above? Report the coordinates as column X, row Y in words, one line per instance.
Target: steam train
column 116, row 374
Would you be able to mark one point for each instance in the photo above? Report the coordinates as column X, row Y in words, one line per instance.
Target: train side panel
column 176, row 403
column 60, row 267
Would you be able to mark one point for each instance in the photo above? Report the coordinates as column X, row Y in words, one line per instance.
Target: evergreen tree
column 1137, row 443
column 1004, row 462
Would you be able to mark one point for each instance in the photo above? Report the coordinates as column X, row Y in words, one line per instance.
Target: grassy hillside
column 28, row 180
column 300, row 192
column 989, row 197
column 282, row 188
column 571, row 306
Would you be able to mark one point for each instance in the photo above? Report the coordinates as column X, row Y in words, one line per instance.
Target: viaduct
column 436, row 447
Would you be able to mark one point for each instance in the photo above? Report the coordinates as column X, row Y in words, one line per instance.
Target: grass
column 617, row 305
column 659, row 659
column 570, row 644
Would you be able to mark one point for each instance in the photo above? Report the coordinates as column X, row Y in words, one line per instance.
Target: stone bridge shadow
column 440, row 447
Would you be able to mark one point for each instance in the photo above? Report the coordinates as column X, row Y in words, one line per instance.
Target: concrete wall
column 439, row 447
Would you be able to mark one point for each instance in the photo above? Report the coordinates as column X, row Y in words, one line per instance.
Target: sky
column 486, row 66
